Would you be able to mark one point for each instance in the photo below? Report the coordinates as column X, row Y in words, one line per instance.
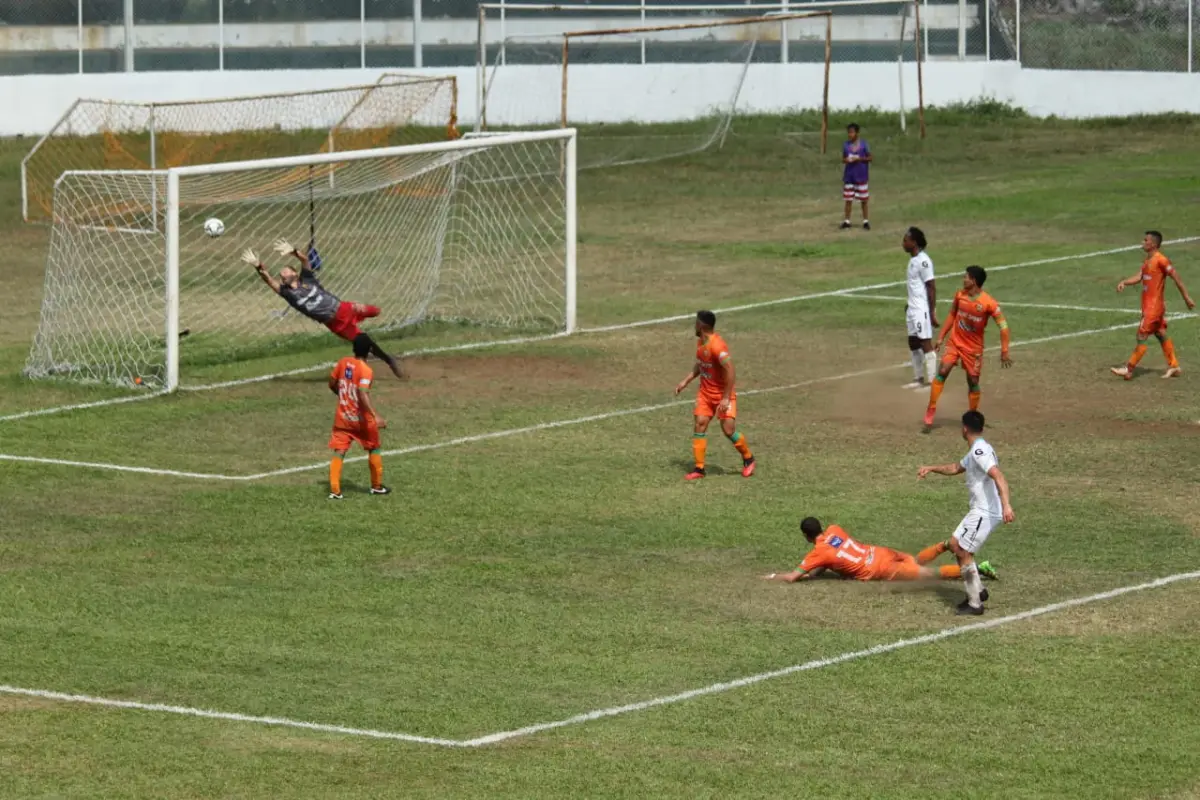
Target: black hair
column 853, row 126
column 811, row 526
column 973, row 421
column 707, row 318
column 918, row 236
column 978, row 274
column 1157, row 237
column 362, row 345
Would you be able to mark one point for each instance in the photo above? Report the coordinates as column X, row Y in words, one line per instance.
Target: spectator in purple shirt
column 857, row 158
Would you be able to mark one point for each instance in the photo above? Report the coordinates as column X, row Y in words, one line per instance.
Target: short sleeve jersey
column 712, row 354
column 971, row 319
column 835, row 551
column 920, row 271
column 985, row 497
column 310, row 298
column 351, row 375
column 1155, row 271
column 856, row 172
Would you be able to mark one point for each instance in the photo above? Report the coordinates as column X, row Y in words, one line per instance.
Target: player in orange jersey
column 969, row 314
column 835, row 551
column 1153, row 278
column 356, row 419
column 717, row 396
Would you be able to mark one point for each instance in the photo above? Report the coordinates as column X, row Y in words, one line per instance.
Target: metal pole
column 503, row 36
column 921, row 55
column 221, row 35
column 987, row 29
column 129, row 35
column 825, row 91
column 924, row 32
column 572, row 171
column 1018, row 31
column 962, row 30
column 783, row 36
column 362, row 34
column 643, row 39
column 565, row 54
column 79, row 23
column 481, row 73
column 1191, row 28
column 418, row 47
column 172, row 280
column 153, row 165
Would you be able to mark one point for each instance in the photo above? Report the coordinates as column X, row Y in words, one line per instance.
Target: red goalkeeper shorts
column 345, row 322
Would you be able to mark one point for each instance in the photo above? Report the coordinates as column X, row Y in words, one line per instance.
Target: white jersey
column 985, row 497
column 920, row 270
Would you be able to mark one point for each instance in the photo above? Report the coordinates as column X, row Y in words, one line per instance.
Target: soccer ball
column 214, row 227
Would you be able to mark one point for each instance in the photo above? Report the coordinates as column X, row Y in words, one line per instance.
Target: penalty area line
column 1006, row 304
column 602, row 713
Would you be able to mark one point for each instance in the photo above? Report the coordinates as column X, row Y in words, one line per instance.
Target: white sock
column 917, row 361
column 970, row 576
column 930, row 366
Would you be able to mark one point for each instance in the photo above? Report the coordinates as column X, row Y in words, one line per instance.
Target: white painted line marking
column 1009, row 304
column 821, row 663
column 591, row 716
column 115, row 401
column 225, row 715
column 598, row 329
column 536, row 428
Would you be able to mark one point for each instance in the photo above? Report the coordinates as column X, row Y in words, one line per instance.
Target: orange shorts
column 706, row 406
column 1151, row 326
column 341, row 440
column 972, row 363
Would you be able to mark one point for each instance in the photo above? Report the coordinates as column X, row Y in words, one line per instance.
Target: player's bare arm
column 931, row 294
column 286, row 248
column 951, row 315
column 364, row 402
column 683, row 384
column 1183, row 292
column 941, row 469
column 794, row 576
column 1005, row 339
column 727, row 397
column 251, row 258
column 1134, row 281
column 1002, row 486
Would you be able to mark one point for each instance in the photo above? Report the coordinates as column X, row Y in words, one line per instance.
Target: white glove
column 250, row 257
column 284, row 247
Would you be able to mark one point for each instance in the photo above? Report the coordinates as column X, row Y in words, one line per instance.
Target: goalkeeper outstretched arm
column 251, row 258
column 285, row 248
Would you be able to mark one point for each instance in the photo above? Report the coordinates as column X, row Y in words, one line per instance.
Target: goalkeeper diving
column 304, row 292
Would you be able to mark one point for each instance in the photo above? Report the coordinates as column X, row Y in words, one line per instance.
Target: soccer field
column 544, row 608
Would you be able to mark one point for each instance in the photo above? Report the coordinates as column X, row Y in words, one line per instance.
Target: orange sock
column 376, row 463
column 739, row 442
column 1138, row 352
column 931, row 552
column 699, row 445
column 950, row 572
column 973, row 400
column 935, row 391
column 1169, row 351
column 335, row 475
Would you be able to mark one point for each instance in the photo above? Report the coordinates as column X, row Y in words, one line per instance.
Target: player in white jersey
column 990, row 506
column 922, row 299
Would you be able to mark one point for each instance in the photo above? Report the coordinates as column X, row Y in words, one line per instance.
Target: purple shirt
column 857, row 172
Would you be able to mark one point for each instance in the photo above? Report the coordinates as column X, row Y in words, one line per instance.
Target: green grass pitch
column 527, row 578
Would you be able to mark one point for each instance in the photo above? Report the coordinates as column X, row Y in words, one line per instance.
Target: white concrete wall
column 652, row 93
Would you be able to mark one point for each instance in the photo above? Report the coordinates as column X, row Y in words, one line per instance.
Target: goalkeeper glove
column 251, row 258
column 284, row 247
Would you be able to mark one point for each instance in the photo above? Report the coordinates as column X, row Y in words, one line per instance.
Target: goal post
column 397, row 109
column 476, row 233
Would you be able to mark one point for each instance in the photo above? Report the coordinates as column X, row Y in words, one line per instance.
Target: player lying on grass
column 1153, row 278
column 969, row 314
column 834, row 551
column 304, row 292
column 356, row 419
column 717, row 396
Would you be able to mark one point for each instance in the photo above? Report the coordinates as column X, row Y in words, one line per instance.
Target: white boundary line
column 603, row 713
column 598, row 329
column 537, row 428
column 1009, row 304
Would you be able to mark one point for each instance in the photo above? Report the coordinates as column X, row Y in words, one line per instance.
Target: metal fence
column 65, row 36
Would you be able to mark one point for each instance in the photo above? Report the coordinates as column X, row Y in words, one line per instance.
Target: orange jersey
column 969, row 316
column 1155, row 270
column 837, row 552
column 712, row 354
column 349, row 376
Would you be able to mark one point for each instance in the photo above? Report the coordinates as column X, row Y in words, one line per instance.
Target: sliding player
column 834, row 551
column 1153, row 278
column 356, row 419
column 304, row 292
column 969, row 314
column 991, row 506
column 922, row 300
column 716, row 397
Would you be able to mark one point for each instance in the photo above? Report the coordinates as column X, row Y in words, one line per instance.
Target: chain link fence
column 1140, row 35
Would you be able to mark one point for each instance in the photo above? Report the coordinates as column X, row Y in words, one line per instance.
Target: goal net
column 718, row 55
column 477, row 232
column 98, row 134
